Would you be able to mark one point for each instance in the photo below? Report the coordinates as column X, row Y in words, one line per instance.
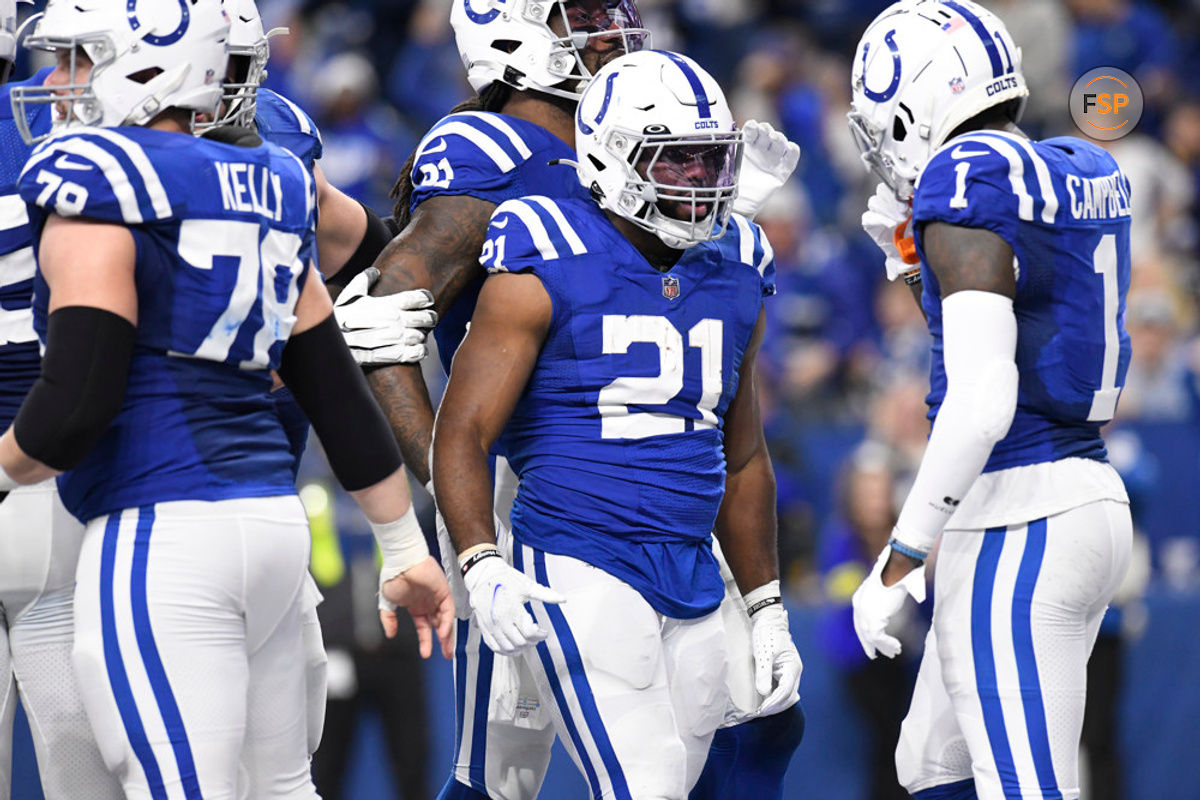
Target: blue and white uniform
column 618, row 442
column 41, row 541
column 1034, row 552
column 188, row 614
column 503, row 732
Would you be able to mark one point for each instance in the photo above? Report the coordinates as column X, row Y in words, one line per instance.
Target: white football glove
column 498, row 594
column 876, row 604
column 777, row 664
column 384, row 330
column 768, row 159
column 883, row 216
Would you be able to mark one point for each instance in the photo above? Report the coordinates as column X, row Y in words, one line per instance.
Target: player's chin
column 684, row 210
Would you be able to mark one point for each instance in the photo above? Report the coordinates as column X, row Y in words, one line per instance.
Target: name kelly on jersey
column 250, row 188
column 1106, row 197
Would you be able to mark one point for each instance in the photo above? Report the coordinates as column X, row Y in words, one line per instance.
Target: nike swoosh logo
column 500, row 223
column 64, row 162
column 958, row 152
column 435, row 148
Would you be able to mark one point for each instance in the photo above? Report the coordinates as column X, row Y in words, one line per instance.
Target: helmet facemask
column 679, row 188
column 608, row 26
column 74, row 102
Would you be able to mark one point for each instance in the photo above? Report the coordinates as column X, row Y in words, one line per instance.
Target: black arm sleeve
column 81, row 388
column 332, row 391
column 374, row 240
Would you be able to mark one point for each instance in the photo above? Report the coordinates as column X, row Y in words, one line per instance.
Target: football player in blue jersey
column 1023, row 250
column 174, row 274
column 40, row 545
column 508, row 142
column 612, row 351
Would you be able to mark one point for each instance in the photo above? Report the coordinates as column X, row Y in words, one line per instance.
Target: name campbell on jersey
column 618, row 438
column 224, row 235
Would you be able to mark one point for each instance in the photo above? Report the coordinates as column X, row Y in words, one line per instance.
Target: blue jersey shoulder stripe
column 123, row 163
column 14, row 223
column 1020, row 169
column 552, row 239
column 1045, row 186
column 502, row 125
column 753, row 248
column 485, row 137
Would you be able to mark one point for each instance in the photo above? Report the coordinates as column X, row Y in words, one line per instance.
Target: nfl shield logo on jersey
column 670, row 287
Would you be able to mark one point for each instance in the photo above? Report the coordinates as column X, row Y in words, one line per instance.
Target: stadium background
column 845, row 359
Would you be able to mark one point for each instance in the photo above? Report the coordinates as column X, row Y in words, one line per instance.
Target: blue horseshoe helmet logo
column 886, row 94
column 476, row 17
column 160, row 41
column 588, row 130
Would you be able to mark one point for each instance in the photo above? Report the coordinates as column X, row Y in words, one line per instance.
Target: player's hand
column 384, row 330
column 768, row 159
column 875, row 604
column 423, row 591
column 887, row 221
column 498, row 594
column 777, row 664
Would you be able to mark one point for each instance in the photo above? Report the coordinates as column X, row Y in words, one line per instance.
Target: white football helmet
column 249, row 50
column 658, row 146
column 512, row 40
column 146, row 56
column 923, row 68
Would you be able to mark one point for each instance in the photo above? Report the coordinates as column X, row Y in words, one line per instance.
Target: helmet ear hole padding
column 899, row 130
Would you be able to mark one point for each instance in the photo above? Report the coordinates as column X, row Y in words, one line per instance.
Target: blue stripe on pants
column 483, row 697
column 1027, row 669
column 587, row 702
column 172, row 719
column 115, row 667
column 985, row 658
column 543, row 652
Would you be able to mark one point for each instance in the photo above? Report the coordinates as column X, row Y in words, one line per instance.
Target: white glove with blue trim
column 768, row 160
column 498, row 594
column 384, row 330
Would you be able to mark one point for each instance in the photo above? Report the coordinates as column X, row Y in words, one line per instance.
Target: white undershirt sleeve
column 979, row 339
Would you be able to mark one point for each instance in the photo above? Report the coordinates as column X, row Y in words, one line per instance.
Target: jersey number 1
column 1104, row 399
column 620, row 332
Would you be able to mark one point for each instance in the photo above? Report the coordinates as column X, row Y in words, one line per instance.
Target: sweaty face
column 688, row 177
column 604, row 23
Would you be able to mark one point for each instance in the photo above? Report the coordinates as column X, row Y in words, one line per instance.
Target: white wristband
column 768, row 594
column 401, row 544
column 7, row 484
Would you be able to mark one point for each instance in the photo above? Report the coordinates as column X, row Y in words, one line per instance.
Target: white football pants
column 190, row 650
column 39, row 547
column 636, row 696
column 1000, row 693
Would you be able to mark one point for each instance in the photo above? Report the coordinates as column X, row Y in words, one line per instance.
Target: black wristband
column 764, row 603
column 475, row 558
column 376, row 238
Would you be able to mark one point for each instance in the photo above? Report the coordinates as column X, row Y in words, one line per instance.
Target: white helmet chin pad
column 658, row 146
column 923, row 68
column 146, row 56
column 515, row 42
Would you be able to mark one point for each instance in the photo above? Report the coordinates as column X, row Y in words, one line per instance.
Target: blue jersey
column 618, row 437
column 1063, row 206
column 20, row 361
column 493, row 157
column 282, row 122
column 223, row 236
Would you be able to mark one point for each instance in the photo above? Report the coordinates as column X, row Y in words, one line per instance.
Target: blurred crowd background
column 845, row 364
